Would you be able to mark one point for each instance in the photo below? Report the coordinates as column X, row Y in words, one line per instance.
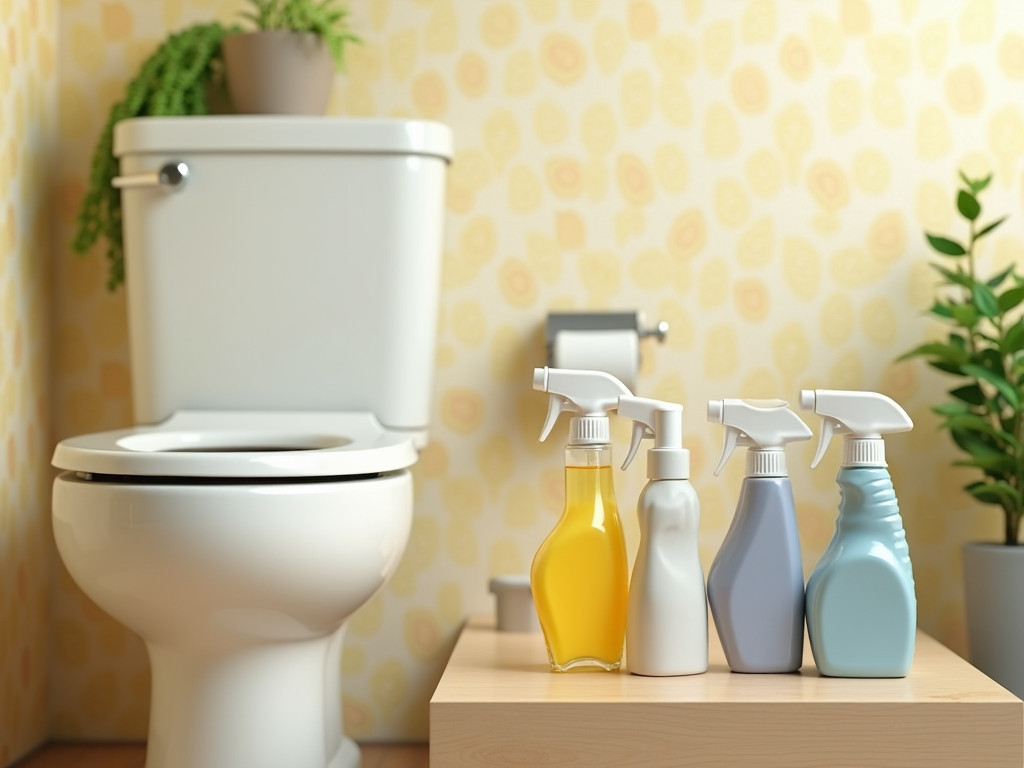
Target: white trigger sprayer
column 861, row 418
column 861, row 602
column 589, row 395
column 763, row 426
column 663, row 421
column 580, row 580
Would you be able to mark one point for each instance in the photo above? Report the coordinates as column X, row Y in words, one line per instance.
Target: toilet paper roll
column 615, row 352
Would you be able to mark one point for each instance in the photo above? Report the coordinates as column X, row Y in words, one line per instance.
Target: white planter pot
column 994, row 587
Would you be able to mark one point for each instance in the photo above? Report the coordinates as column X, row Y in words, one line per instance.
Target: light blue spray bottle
column 861, row 605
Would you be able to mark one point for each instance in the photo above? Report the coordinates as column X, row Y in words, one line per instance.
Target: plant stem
column 1012, row 515
column 970, row 270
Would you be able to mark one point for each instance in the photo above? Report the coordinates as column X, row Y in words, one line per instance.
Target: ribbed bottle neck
column 863, row 452
column 766, row 462
column 589, row 431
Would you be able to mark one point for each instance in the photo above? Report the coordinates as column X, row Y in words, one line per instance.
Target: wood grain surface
column 498, row 704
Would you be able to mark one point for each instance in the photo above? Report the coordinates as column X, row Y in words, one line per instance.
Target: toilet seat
column 215, row 444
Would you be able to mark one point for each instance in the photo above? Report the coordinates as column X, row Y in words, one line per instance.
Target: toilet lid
column 242, row 444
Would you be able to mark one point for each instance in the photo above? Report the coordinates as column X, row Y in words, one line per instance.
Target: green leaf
column 951, row 409
column 982, row 495
column 947, row 352
column 1011, row 298
column 971, row 394
column 975, row 423
column 998, row 279
column 945, row 246
column 1014, row 341
column 999, row 489
column 946, row 367
column 986, row 301
column 941, row 310
column 976, row 185
column 995, row 463
column 965, row 314
column 1005, row 388
column 988, row 228
column 991, row 359
column 968, row 205
column 954, row 277
column 979, row 446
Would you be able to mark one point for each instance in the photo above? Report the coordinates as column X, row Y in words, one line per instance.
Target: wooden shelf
column 498, row 704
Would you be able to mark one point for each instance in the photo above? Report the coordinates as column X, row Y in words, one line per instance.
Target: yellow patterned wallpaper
column 28, row 74
column 757, row 174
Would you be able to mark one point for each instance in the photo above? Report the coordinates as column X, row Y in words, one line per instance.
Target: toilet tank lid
column 280, row 133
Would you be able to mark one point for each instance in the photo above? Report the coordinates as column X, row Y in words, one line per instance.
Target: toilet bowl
column 282, row 317
column 236, row 545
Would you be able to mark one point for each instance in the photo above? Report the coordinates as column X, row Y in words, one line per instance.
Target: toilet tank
column 296, row 268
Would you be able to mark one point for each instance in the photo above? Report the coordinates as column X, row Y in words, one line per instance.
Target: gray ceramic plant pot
column 278, row 72
column 994, row 586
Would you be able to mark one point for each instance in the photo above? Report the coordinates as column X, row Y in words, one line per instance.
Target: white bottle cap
column 589, row 430
column 766, row 462
column 863, row 452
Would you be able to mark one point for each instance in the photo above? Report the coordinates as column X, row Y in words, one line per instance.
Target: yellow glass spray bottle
column 580, row 576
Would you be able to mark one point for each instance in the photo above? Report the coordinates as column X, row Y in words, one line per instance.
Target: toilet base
column 347, row 756
column 271, row 705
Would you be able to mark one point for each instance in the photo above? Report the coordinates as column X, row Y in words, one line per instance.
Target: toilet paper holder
column 599, row 321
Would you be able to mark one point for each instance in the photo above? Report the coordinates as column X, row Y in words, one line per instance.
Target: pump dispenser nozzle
column 588, row 394
column 763, row 426
column 663, row 421
column 861, row 417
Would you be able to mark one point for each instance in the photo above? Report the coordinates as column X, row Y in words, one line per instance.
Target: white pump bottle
column 667, row 619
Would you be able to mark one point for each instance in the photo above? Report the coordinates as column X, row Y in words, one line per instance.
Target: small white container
column 516, row 612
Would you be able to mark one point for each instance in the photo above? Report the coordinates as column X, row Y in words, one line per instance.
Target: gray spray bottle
column 756, row 582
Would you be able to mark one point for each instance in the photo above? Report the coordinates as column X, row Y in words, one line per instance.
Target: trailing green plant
column 327, row 18
column 172, row 81
column 985, row 350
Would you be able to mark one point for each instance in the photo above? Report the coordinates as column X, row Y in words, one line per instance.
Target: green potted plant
column 984, row 351
column 287, row 65
column 186, row 76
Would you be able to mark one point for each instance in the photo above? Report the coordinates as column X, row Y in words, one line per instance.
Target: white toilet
column 283, row 278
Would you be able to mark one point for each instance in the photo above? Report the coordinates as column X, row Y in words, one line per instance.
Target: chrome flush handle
column 171, row 176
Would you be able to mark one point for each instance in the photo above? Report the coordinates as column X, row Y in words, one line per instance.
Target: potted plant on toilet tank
column 984, row 351
column 287, row 65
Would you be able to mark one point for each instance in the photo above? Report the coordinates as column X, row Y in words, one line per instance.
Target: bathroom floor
column 134, row 756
